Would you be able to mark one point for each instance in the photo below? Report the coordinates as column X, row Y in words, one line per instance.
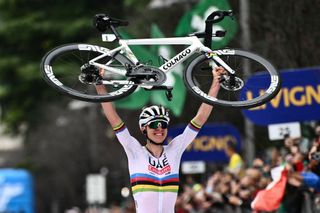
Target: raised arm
column 108, row 109
column 204, row 110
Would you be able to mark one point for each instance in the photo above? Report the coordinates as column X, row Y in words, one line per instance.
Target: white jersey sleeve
column 181, row 142
column 131, row 146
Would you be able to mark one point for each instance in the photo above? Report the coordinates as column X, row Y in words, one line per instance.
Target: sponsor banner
column 16, row 191
column 210, row 143
column 298, row 99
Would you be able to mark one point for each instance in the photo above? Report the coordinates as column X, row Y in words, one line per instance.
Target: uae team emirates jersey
column 155, row 181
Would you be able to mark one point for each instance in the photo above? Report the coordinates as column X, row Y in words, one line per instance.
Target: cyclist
column 154, row 168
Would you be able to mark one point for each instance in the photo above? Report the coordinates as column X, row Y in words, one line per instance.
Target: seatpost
column 115, row 32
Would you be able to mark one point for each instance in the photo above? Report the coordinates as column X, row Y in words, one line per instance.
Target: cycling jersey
column 155, row 181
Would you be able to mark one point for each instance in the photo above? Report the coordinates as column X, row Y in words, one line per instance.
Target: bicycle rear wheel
column 248, row 88
column 61, row 68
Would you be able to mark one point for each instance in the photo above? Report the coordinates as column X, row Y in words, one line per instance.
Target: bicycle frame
column 120, row 69
column 193, row 42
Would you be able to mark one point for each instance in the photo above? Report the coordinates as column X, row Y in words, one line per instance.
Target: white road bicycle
column 74, row 69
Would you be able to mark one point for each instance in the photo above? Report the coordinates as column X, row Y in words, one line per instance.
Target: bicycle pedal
column 155, row 87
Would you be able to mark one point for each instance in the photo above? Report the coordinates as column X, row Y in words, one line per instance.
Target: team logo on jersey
column 159, row 167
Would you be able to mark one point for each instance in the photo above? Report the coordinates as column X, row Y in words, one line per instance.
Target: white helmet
column 153, row 113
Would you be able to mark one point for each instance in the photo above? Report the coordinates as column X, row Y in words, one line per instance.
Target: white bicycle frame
column 193, row 42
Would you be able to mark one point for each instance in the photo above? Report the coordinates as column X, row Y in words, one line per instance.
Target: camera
column 315, row 156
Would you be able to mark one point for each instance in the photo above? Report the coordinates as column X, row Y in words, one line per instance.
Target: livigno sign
column 210, row 143
column 298, row 99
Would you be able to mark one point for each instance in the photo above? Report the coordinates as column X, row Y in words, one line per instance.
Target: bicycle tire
column 60, row 68
column 198, row 78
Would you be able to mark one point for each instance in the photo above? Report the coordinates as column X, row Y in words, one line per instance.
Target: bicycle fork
column 229, row 82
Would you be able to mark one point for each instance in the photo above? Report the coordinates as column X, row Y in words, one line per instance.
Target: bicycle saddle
column 103, row 22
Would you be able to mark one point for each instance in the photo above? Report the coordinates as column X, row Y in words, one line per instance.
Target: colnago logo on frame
column 176, row 59
column 48, row 70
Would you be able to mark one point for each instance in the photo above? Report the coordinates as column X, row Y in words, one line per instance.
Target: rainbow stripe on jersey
column 119, row 128
column 147, row 183
column 194, row 126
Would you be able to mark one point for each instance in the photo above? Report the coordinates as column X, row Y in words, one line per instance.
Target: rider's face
column 157, row 132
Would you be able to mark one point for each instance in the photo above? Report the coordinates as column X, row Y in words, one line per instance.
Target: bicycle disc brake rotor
column 232, row 83
column 89, row 74
column 151, row 76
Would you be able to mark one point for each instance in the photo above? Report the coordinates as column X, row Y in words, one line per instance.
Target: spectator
column 235, row 165
column 276, row 158
column 316, row 141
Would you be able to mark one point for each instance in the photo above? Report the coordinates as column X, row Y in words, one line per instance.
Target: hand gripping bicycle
column 74, row 69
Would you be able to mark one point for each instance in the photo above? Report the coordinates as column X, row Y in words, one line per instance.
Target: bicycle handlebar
column 102, row 22
column 218, row 16
column 213, row 18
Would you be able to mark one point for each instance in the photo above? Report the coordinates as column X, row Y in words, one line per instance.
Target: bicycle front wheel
column 61, row 69
column 254, row 83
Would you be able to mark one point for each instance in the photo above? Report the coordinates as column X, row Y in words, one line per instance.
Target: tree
column 28, row 29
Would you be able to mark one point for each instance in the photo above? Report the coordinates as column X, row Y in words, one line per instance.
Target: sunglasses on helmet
column 157, row 124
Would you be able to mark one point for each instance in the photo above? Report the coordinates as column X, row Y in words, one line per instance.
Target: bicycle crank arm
column 168, row 90
column 116, row 82
column 140, row 75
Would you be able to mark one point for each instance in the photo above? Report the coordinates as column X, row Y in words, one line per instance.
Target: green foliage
column 29, row 29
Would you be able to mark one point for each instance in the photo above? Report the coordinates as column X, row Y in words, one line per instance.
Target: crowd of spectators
column 233, row 187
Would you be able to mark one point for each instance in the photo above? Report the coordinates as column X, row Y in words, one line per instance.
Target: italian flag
column 270, row 198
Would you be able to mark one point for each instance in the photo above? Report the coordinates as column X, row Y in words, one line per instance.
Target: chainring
column 152, row 76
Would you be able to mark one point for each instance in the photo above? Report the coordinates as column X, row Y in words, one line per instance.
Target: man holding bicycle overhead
column 154, row 168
